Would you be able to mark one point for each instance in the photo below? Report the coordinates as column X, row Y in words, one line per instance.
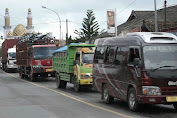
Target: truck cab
column 83, row 64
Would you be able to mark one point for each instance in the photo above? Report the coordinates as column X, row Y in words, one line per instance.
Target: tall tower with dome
column 29, row 26
column 7, row 26
column 20, row 29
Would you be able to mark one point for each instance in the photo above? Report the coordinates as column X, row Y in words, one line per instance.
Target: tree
column 89, row 28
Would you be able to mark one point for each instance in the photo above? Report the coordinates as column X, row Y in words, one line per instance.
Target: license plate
column 171, row 99
column 48, row 70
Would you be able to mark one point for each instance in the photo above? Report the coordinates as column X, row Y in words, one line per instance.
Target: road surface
column 21, row 98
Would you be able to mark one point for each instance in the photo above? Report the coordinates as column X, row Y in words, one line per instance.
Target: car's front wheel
column 132, row 101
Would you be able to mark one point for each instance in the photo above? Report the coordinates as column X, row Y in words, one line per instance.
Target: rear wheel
column 21, row 74
column 132, row 101
column 58, row 81
column 175, row 105
column 105, row 95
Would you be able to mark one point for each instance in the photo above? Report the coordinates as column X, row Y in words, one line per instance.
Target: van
column 140, row 68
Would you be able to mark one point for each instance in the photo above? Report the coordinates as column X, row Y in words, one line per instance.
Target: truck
column 34, row 56
column 9, row 55
column 73, row 63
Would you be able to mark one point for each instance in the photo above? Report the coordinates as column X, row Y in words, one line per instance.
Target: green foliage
column 89, row 28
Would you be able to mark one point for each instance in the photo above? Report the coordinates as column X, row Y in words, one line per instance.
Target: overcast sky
column 73, row 10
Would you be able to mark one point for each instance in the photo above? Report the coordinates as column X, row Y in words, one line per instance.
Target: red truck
column 9, row 55
column 34, row 56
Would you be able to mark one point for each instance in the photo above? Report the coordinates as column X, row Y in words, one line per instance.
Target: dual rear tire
column 60, row 83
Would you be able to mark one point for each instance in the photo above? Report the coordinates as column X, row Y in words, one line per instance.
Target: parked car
column 140, row 68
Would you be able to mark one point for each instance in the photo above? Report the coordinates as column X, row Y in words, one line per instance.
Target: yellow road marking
column 90, row 104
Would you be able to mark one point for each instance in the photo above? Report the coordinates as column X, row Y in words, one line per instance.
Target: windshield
column 43, row 52
column 87, row 58
column 159, row 56
column 12, row 54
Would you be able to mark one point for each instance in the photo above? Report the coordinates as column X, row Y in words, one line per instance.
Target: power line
column 126, row 7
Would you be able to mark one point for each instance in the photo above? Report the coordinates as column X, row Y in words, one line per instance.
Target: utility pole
column 165, row 5
column 67, row 32
column 155, row 12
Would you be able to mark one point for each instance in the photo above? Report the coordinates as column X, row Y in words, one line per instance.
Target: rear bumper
column 155, row 99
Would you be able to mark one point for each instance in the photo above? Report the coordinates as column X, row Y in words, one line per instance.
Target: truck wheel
column 64, row 83
column 105, row 95
column 21, row 75
column 77, row 86
column 7, row 70
column 58, row 81
column 33, row 77
column 132, row 102
column 175, row 105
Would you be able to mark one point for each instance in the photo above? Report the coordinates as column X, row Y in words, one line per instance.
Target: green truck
column 73, row 63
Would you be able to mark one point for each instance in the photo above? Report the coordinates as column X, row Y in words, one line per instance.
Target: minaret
column 7, row 26
column 29, row 26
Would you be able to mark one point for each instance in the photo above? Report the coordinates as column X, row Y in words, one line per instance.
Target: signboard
column 111, row 22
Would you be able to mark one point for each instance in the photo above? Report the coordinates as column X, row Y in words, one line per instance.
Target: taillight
column 146, row 81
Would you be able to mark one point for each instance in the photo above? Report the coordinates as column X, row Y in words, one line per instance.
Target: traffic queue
column 139, row 68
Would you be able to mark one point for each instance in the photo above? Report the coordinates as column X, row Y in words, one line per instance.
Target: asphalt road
column 21, row 98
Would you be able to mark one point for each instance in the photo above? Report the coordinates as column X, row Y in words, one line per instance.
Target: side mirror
column 75, row 62
column 137, row 62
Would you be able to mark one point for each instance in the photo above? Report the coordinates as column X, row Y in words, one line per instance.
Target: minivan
column 139, row 68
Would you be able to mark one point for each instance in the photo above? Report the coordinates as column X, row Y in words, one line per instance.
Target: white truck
column 11, row 60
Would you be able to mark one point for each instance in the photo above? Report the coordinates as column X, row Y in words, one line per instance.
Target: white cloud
column 73, row 10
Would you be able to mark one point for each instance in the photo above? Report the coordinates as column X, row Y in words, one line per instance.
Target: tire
column 64, row 83
column 77, row 86
column 7, row 70
column 58, row 81
column 33, row 77
column 22, row 76
column 132, row 101
column 105, row 95
column 175, row 105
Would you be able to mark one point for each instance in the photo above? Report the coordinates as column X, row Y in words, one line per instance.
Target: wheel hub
column 105, row 94
column 132, row 100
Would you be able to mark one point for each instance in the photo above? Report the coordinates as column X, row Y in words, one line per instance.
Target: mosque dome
column 19, row 30
column 10, row 34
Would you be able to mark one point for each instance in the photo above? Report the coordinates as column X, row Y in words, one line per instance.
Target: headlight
column 37, row 66
column 151, row 90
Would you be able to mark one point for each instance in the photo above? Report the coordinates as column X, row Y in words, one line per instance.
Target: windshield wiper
column 161, row 67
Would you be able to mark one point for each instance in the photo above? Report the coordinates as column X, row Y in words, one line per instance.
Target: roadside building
column 144, row 21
